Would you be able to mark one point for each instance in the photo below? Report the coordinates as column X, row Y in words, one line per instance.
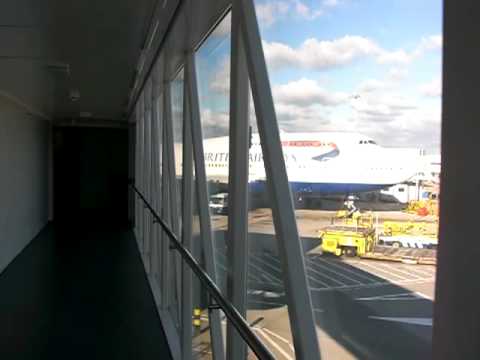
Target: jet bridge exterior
column 151, row 117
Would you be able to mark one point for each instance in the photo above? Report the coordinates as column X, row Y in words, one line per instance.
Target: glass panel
column 213, row 74
column 159, row 238
column 357, row 92
column 177, row 129
column 177, row 119
column 213, row 79
column 267, row 303
column 156, row 193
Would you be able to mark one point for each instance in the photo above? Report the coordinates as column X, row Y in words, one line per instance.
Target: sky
column 367, row 66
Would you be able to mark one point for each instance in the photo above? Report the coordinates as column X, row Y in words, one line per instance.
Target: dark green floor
column 78, row 293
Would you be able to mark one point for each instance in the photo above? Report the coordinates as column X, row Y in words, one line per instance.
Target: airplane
column 320, row 163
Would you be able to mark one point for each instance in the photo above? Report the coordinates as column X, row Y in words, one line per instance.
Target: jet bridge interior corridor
column 110, row 247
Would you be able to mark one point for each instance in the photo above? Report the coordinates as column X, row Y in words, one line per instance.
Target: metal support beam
column 158, row 174
column 216, row 337
column 302, row 320
column 173, row 192
column 137, row 174
column 155, row 178
column 187, row 211
column 237, row 241
column 165, row 251
column 147, row 99
column 141, row 114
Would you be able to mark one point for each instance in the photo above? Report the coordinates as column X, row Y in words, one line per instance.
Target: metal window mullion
column 160, row 188
column 138, row 178
column 142, row 171
column 237, row 251
column 173, row 193
column 155, row 178
column 148, row 163
column 187, row 221
column 302, row 320
column 202, row 203
column 151, row 177
column 165, row 243
column 148, row 216
column 137, row 174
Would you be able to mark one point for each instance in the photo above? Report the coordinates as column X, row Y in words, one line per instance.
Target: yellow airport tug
column 349, row 234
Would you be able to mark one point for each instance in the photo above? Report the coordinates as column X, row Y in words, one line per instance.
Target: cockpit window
column 372, row 142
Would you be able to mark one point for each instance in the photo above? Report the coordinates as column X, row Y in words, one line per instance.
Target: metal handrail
column 230, row 311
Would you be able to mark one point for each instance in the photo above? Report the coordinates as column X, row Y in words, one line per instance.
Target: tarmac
column 363, row 309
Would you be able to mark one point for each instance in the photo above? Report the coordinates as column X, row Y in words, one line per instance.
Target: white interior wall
column 24, row 195
column 26, row 99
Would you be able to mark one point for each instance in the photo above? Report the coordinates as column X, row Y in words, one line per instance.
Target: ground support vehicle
column 351, row 236
column 358, row 236
column 347, row 240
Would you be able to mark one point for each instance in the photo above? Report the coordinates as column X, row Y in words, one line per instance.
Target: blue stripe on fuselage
column 322, row 188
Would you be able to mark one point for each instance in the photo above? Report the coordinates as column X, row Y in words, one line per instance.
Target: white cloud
column 375, row 107
column 220, row 81
column 306, row 92
column 395, row 57
column 305, row 12
column 417, row 128
column 371, row 85
column 397, row 74
column 301, row 118
column 268, row 13
column 214, row 123
column 432, row 88
column 318, row 55
column 426, row 44
column 330, row 3
column 304, row 105
column 323, row 54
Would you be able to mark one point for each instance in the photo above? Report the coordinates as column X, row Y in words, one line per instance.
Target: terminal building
column 108, row 244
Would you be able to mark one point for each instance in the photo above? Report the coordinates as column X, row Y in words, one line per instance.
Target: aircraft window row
column 367, row 142
column 217, row 165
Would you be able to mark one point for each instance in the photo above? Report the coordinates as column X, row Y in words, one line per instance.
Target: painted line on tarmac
column 281, row 338
column 423, row 272
column 420, row 321
column 312, row 264
column 274, row 258
column 380, row 284
column 325, row 276
column 267, row 274
column 407, row 296
column 425, row 296
column 270, row 303
column 396, row 269
column 255, row 277
column 274, row 344
column 380, row 270
column 259, row 259
column 358, row 271
column 318, row 281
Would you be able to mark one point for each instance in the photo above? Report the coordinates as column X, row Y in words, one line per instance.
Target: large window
column 356, row 87
column 356, row 91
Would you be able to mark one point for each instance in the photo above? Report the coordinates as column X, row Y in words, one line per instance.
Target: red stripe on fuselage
column 308, row 143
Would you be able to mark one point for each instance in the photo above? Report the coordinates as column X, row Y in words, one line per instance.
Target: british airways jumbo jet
column 321, row 163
